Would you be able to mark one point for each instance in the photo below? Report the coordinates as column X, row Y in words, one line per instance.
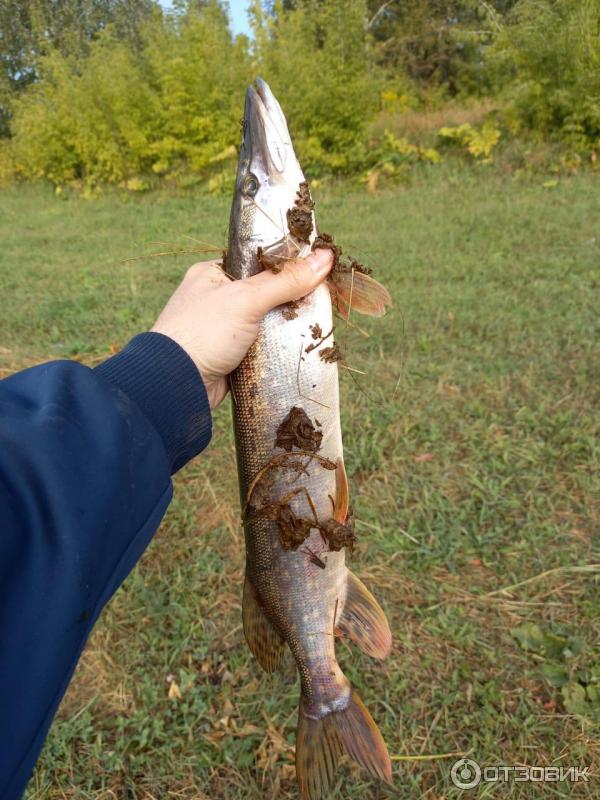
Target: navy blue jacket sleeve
column 85, row 463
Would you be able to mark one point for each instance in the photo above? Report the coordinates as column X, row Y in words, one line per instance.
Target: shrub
column 479, row 142
column 199, row 75
column 118, row 114
column 90, row 121
column 550, row 51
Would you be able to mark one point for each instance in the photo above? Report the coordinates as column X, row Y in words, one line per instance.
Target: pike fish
column 298, row 592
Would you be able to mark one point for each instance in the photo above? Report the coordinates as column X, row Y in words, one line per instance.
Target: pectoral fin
column 362, row 620
column 263, row 640
column 359, row 292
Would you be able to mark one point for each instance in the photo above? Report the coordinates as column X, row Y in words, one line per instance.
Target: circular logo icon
column 465, row 773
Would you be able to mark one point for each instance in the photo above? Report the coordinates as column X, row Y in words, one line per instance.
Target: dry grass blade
column 431, row 756
column 591, row 569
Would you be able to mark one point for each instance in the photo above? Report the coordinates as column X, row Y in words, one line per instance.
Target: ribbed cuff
column 163, row 381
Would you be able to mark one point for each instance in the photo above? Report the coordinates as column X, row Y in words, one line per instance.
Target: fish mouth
column 266, row 143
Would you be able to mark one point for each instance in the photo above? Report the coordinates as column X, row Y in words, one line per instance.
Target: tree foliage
column 439, row 42
column 118, row 90
column 549, row 52
column 173, row 104
column 32, row 29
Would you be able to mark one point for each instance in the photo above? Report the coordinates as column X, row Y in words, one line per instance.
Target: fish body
column 298, row 591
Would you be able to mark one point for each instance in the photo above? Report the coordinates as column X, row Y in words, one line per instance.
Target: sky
column 237, row 11
column 239, row 20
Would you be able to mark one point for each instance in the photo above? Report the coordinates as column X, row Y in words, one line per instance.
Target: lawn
column 473, row 451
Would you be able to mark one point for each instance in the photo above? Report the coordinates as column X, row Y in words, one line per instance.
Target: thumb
column 296, row 279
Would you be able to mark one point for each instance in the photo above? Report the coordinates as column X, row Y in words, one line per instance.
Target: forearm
column 85, row 464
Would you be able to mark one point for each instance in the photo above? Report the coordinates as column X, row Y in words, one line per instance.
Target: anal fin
column 362, row 620
column 263, row 640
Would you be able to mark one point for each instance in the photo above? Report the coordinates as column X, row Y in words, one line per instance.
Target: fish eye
column 250, row 187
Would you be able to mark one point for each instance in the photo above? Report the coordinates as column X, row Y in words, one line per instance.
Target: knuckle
column 293, row 277
column 195, row 269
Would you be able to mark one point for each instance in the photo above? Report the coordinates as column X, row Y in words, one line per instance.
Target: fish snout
column 267, row 144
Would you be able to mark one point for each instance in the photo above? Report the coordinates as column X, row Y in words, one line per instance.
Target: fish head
column 267, row 181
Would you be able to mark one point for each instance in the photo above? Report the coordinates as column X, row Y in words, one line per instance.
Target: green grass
column 473, row 454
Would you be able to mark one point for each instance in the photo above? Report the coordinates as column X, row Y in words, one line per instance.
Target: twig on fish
column 314, row 558
column 271, row 220
column 200, row 241
column 353, row 325
column 359, row 387
column 277, row 460
column 314, row 345
column 304, row 396
column 295, row 493
column 312, row 505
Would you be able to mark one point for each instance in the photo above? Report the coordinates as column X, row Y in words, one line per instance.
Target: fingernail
column 320, row 261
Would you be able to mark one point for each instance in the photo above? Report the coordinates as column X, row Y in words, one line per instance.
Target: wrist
column 158, row 374
column 215, row 390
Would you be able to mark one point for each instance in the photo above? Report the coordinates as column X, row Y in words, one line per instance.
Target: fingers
column 296, row 279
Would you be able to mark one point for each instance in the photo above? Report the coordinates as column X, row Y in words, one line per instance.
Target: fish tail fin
column 321, row 740
column 359, row 292
column 363, row 621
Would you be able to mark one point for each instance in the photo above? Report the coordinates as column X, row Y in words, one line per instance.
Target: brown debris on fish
column 290, row 310
column 298, row 591
column 330, row 354
column 300, row 215
column 293, row 530
column 297, row 430
column 338, row 535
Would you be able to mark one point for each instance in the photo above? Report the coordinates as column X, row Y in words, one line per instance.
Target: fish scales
column 297, row 594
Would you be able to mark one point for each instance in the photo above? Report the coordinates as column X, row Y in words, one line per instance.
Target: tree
column 30, row 29
column 550, row 51
column 439, row 42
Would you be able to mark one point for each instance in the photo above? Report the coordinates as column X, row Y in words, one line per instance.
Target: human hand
column 216, row 319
